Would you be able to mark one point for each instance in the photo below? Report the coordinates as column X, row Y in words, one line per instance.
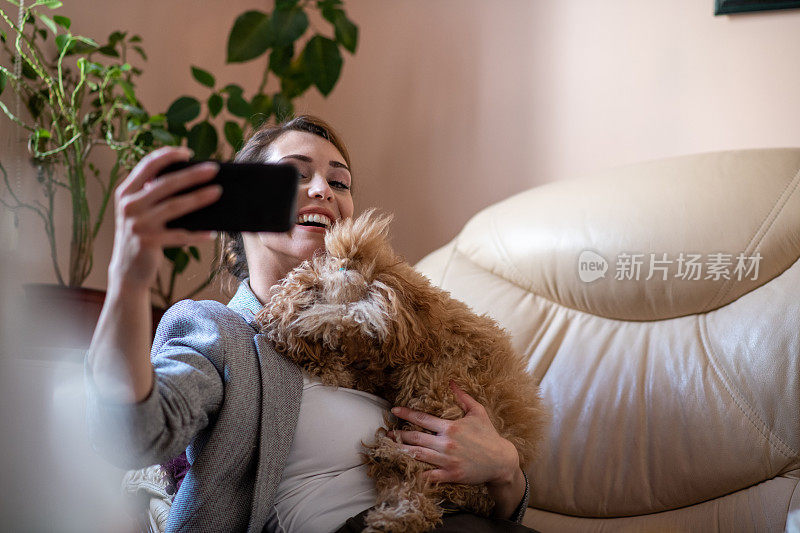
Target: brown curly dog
column 360, row 317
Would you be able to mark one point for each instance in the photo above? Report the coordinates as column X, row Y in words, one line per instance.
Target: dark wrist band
column 523, row 505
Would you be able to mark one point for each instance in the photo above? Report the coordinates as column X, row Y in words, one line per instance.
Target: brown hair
column 232, row 258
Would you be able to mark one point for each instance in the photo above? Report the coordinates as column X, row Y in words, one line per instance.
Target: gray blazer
column 222, row 393
column 222, row 390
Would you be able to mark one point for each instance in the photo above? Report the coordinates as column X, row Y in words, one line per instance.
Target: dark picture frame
column 725, row 7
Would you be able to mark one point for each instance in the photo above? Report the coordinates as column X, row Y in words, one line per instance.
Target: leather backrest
column 665, row 391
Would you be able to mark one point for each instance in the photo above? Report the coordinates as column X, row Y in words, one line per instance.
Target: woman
column 254, row 438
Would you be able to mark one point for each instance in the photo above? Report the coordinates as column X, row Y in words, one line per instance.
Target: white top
column 325, row 482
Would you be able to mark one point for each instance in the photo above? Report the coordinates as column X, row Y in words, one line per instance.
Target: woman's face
column 323, row 198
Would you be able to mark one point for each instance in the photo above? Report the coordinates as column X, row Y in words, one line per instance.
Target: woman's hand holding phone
column 144, row 203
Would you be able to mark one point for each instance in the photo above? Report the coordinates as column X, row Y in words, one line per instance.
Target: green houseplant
column 231, row 112
column 80, row 94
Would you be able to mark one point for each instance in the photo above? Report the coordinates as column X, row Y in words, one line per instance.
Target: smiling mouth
column 314, row 220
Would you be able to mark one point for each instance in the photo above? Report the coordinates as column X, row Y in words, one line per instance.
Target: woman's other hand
column 468, row 450
column 144, row 203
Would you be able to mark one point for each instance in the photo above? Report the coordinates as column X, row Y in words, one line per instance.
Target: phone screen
column 255, row 197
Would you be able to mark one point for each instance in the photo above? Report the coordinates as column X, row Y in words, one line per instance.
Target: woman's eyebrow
column 337, row 164
column 305, row 158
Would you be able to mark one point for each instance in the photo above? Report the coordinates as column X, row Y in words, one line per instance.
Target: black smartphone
column 255, row 197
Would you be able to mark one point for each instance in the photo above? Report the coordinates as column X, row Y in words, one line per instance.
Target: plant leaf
column 3, row 80
column 261, row 103
column 159, row 119
column 178, row 257
column 234, row 135
column 135, row 39
column 280, row 58
column 135, row 111
column 282, row 107
column 296, row 79
column 82, row 45
column 28, row 71
column 250, row 37
column 262, row 109
column 108, row 50
column 204, row 77
column 239, row 106
column 202, row 139
column 171, row 253
column 87, row 40
column 195, row 252
column 127, row 88
column 181, row 261
column 62, row 41
column 288, row 25
column 35, row 104
column 144, row 139
column 178, row 130
column 214, row 104
column 346, row 32
column 140, row 51
column 232, row 89
column 116, row 37
column 183, row 110
column 62, row 21
column 164, row 136
column 324, row 62
column 51, row 25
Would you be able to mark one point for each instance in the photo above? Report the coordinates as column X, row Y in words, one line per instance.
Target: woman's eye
column 339, row 184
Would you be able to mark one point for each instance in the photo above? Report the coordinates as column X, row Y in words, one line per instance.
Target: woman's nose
column 319, row 188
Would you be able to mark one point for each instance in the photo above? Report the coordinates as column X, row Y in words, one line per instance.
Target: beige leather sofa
column 675, row 390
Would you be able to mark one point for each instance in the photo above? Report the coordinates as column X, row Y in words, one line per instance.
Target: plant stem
column 202, row 286
column 50, row 227
column 264, row 78
column 114, row 176
column 80, row 259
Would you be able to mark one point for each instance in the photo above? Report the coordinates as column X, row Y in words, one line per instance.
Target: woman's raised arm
column 119, row 354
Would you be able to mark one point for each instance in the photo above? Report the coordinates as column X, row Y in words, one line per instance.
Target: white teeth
column 314, row 217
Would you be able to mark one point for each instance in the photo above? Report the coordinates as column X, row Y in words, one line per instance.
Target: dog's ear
column 364, row 239
column 409, row 336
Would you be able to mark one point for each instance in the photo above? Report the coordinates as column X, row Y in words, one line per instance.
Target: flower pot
column 65, row 316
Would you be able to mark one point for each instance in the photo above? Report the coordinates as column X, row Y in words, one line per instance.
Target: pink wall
column 451, row 105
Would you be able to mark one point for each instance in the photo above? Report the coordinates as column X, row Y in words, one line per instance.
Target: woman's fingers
column 170, row 184
column 185, row 203
column 163, row 187
column 465, row 401
column 421, row 419
column 417, row 437
column 182, row 237
column 438, row 475
column 425, row 455
column 150, row 166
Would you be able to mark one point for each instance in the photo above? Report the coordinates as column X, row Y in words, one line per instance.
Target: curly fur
column 360, row 317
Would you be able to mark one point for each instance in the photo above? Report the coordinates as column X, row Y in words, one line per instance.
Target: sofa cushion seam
column 762, row 229
column 743, row 406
